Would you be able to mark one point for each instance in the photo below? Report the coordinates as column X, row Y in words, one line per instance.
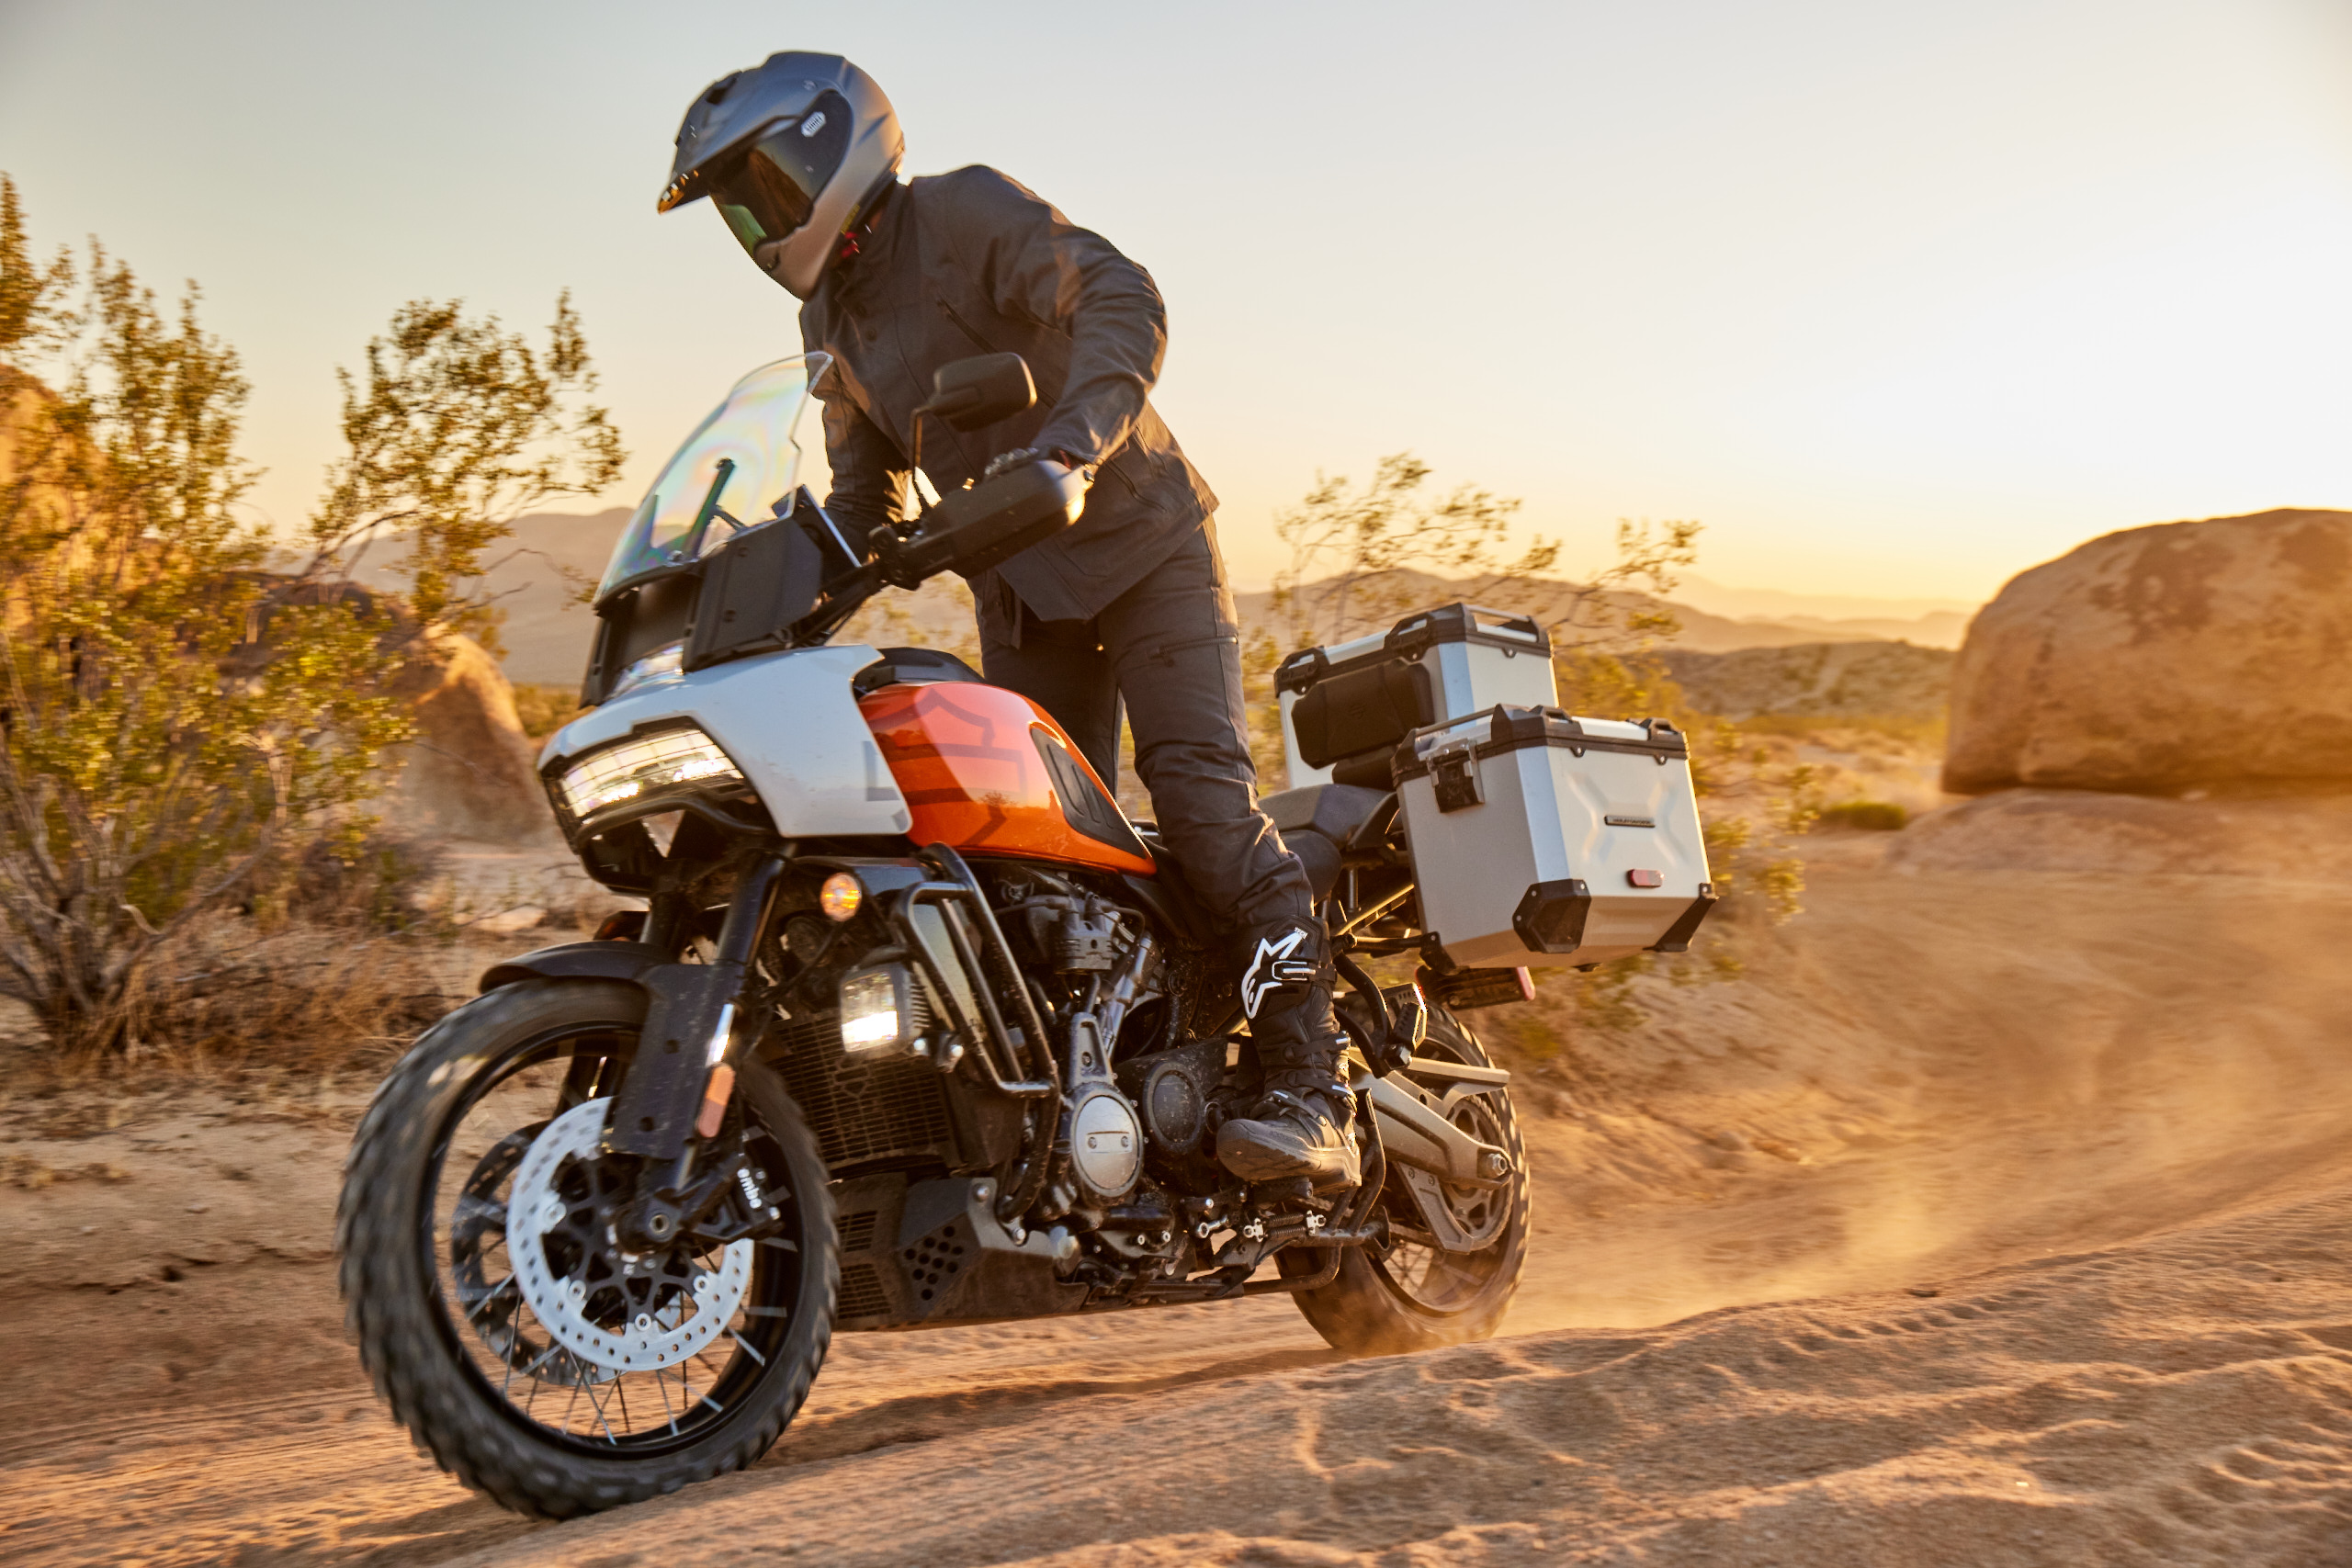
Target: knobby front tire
column 452, row 1381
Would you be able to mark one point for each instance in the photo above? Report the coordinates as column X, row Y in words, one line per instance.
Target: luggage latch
column 1453, row 774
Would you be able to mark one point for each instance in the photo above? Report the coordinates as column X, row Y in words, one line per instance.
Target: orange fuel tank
column 985, row 771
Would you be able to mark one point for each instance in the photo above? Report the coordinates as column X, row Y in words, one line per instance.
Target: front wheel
column 483, row 1281
column 1409, row 1292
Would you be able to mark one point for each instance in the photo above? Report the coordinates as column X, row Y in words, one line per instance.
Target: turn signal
column 840, row 898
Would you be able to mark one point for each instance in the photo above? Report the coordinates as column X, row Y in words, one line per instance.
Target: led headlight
column 643, row 765
column 882, row 1009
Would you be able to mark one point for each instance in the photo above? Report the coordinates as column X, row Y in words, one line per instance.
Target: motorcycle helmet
column 792, row 154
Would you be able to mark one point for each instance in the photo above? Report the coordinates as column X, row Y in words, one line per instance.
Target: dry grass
column 308, row 996
column 332, row 965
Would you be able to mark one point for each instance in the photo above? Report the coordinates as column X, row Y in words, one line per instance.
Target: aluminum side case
column 1546, row 840
column 1472, row 657
column 789, row 721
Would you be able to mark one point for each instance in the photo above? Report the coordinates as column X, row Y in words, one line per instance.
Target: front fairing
column 789, row 722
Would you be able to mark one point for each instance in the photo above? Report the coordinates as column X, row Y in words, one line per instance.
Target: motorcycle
column 916, row 1027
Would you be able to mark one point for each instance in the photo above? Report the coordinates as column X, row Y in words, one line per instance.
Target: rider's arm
column 869, row 473
column 1038, row 265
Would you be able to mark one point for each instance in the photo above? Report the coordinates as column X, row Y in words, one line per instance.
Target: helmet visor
column 772, row 189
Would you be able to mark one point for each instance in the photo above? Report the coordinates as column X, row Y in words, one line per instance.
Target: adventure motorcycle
column 916, row 1028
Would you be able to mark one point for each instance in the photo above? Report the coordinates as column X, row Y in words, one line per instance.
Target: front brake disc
column 623, row 1313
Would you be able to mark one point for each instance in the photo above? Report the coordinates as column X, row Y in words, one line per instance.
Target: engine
column 938, row 1173
column 1103, row 965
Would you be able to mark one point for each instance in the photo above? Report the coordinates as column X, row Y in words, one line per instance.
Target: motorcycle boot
column 1301, row 1124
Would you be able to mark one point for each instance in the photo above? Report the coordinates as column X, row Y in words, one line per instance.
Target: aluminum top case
column 1345, row 707
column 1540, row 839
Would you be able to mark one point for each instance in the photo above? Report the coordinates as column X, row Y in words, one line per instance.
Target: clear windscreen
column 735, row 471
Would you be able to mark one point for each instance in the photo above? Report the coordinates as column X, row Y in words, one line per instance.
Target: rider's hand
column 1005, row 462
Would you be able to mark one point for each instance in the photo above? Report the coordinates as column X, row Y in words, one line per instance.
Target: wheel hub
column 627, row 1311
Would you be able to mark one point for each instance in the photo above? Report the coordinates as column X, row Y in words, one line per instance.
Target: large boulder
column 470, row 773
column 2208, row 655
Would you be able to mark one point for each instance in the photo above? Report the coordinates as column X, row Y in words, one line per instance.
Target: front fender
column 577, row 961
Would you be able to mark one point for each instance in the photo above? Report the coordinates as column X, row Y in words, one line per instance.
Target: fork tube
column 747, row 915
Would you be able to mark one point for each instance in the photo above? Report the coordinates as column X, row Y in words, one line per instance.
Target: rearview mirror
column 972, row 394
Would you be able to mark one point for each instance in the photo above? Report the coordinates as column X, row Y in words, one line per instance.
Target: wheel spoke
column 489, row 1296
column 504, row 1321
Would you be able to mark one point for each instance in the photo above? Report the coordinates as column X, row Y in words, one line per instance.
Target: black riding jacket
column 972, row 263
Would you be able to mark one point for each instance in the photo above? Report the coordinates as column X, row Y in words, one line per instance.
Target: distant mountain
column 1780, row 604
column 1929, row 622
column 1939, row 629
column 1544, row 597
column 1821, row 680
column 548, row 631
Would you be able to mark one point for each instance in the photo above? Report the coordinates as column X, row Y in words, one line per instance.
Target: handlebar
column 982, row 524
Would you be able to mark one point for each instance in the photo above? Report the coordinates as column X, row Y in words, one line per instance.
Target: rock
column 1847, row 680
column 471, row 772
column 2160, row 660
column 2291, row 839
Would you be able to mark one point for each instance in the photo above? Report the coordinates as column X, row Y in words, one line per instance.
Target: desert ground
column 1993, row 1217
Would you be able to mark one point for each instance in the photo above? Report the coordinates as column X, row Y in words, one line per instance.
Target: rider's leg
column 1175, row 647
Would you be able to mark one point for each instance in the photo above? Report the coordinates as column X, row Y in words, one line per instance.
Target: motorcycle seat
column 905, row 666
column 1334, row 810
column 1318, row 821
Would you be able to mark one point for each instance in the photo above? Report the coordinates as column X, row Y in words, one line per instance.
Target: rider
column 800, row 155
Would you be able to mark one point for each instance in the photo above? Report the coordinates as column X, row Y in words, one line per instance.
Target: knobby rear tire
column 1362, row 1311
column 385, row 1237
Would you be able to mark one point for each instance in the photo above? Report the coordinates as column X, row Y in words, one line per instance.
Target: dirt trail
column 2050, row 1178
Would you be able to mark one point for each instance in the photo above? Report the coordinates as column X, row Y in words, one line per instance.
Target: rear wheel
column 493, row 1308
column 1411, row 1292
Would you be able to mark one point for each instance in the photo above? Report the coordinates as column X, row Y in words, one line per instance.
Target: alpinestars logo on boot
column 1270, row 967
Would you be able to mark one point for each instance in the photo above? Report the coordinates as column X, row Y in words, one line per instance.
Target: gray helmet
column 792, row 154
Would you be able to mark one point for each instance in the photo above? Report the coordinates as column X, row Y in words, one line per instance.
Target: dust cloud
column 1993, row 1217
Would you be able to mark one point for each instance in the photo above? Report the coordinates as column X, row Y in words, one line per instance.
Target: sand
column 1996, row 1218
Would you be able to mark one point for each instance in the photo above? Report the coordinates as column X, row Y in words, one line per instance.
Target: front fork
column 684, row 1066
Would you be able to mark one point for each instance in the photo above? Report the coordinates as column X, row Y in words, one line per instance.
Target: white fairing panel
column 788, row 720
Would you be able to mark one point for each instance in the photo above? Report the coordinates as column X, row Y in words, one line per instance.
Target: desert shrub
column 545, row 707
column 183, row 730
column 1355, row 552
column 1868, row 815
column 381, row 881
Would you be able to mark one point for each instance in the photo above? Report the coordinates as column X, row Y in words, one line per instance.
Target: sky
column 1898, row 300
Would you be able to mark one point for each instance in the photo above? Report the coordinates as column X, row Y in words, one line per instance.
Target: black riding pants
column 1172, row 648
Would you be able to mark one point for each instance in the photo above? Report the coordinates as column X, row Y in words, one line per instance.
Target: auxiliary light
column 882, row 1009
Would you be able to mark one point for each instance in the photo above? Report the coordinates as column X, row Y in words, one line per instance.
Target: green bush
column 1868, row 815
column 545, row 707
column 184, row 730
